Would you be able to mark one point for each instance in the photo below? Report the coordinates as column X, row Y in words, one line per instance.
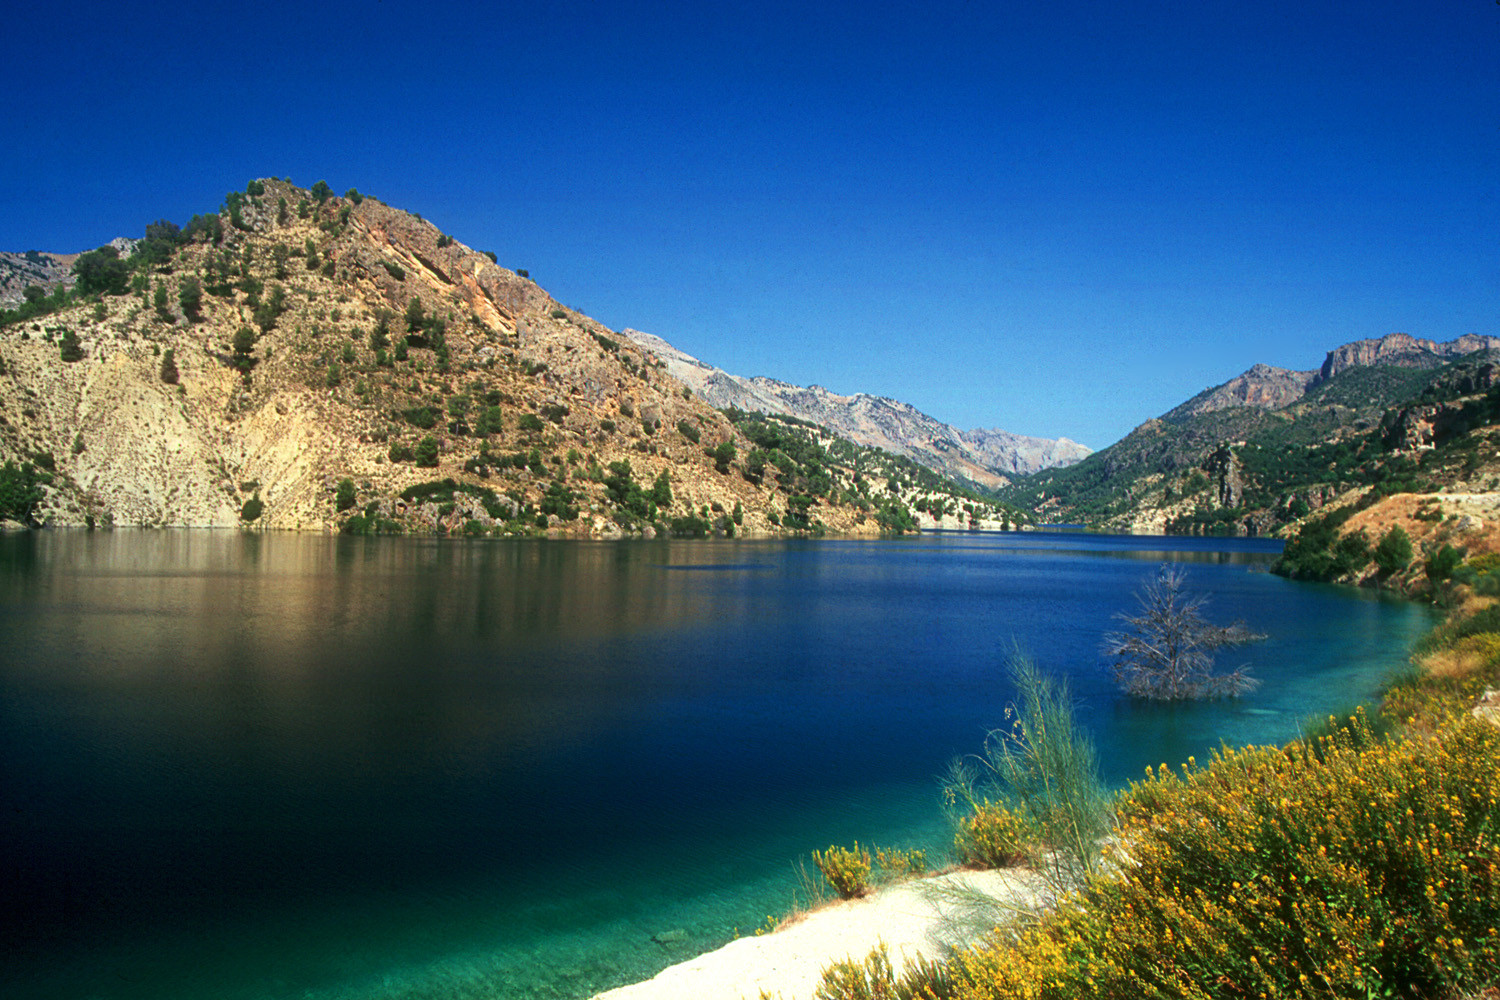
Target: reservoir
column 240, row 766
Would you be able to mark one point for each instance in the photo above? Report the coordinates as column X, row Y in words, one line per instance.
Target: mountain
column 987, row 458
column 300, row 360
column 1260, row 450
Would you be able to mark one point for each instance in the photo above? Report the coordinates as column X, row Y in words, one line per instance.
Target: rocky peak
column 1403, row 351
column 1262, row 386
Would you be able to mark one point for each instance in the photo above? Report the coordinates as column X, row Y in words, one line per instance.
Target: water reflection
column 204, row 725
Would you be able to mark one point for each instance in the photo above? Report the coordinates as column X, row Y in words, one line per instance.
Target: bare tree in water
column 1166, row 652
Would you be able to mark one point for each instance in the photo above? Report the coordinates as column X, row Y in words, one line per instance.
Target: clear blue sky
column 1054, row 218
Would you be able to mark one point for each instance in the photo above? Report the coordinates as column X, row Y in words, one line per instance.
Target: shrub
column 420, row 416
column 1044, row 769
column 354, row 196
column 427, row 452
column 529, row 422
column 343, row 497
column 898, row 863
column 722, row 456
column 20, row 491
column 1394, row 551
column 70, row 349
column 190, row 297
column 169, row 373
column 399, row 452
column 1356, row 867
column 876, row 979
column 690, row 526
column 847, row 870
column 1441, row 564
column 554, row 412
column 688, row 430
column 252, row 509
column 395, row 271
column 993, row 836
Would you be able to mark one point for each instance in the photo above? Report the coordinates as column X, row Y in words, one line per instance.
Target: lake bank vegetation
column 1358, row 861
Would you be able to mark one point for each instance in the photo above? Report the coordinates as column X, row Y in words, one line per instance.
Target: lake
column 284, row 766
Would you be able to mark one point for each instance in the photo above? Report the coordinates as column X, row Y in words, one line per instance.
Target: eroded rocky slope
column 342, row 339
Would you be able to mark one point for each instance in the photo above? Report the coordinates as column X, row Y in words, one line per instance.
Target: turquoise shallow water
column 282, row 766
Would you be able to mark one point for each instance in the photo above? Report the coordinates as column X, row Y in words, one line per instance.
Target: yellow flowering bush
column 848, row 871
column 877, row 979
column 1351, row 867
column 896, row 863
column 994, row 836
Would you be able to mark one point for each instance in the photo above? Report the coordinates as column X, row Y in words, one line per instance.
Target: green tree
column 344, row 497
column 158, row 245
column 321, row 192
column 71, row 349
column 20, row 491
column 415, row 315
column 354, row 196
column 1394, row 551
column 723, row 455
column 101, row 272
column 160, row 303
column 190, row 297
column 1441, row 564
column 491, row 420
column 427, row 452
column 169, row 372
column 661, row 490
column 244, row 343
column 269, row 311
column 252, row 509
column 380, row 336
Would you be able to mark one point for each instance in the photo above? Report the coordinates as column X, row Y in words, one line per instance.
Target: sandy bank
column 913, row 919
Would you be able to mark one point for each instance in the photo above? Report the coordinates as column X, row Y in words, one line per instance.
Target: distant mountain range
column 989, row 458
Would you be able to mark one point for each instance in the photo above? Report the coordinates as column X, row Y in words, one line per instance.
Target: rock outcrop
column 1402, row 351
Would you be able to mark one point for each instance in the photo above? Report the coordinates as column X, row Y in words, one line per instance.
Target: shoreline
column 922, row 918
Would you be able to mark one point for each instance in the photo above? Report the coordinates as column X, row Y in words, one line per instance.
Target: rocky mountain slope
column 44, row 270
column 985, row 457
column 1259, row 451
column 302, row 360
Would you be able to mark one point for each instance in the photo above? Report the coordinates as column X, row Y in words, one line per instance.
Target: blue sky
column 1054, row 218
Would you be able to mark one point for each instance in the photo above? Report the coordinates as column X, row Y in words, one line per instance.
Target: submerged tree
column 1167, row 652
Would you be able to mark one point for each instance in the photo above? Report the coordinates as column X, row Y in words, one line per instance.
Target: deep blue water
column 271, row 766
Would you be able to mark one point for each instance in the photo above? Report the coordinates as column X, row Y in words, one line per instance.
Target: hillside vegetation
column 298, row 359
column 1254, row 469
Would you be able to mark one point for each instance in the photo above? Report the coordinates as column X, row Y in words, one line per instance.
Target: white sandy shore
column 912, row 919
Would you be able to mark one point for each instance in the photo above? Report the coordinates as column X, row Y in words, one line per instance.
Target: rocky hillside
column 1258, row 452
column 45, row 271
column 984, row 457
column 302, row 360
